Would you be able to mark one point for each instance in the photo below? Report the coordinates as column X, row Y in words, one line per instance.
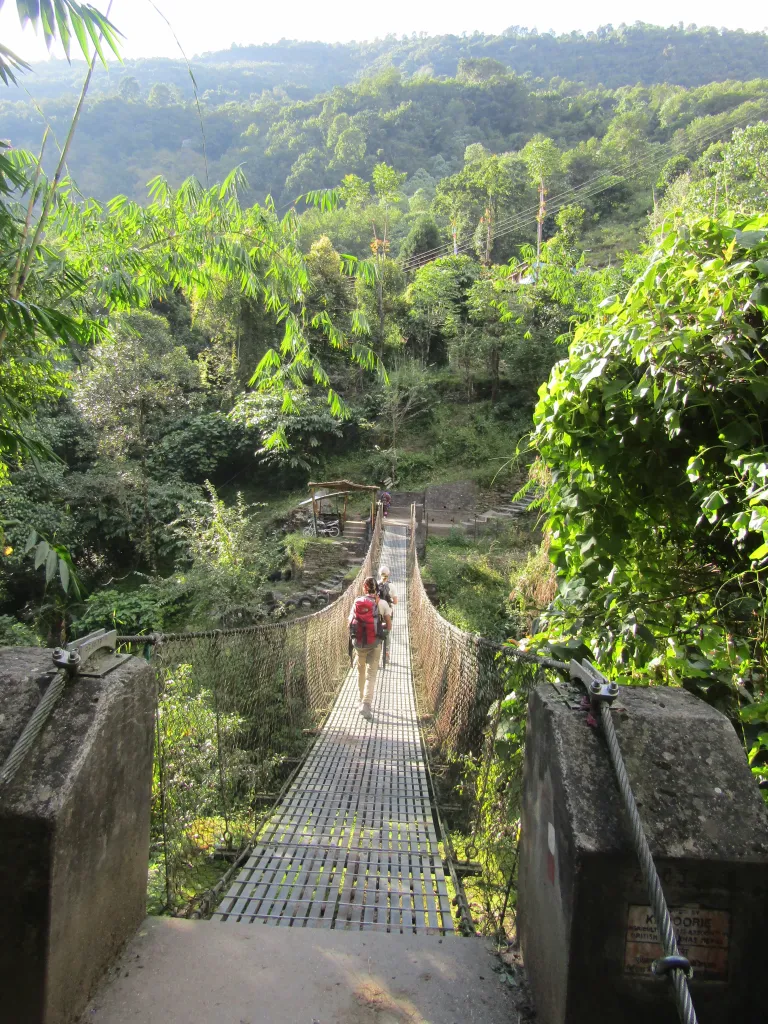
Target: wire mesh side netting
column 237, row 712
column 473, row 700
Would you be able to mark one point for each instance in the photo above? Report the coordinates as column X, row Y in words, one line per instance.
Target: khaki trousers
column 367, row 667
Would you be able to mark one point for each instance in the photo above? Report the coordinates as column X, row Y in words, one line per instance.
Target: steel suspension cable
column 663, row 919
column 33, row 728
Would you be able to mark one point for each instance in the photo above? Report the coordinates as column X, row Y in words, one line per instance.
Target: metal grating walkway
column 353, row 844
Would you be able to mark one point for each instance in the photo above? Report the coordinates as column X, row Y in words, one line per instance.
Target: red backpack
column 365, row 624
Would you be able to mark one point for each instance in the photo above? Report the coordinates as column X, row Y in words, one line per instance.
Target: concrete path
column 201, row 972
column 353, row 844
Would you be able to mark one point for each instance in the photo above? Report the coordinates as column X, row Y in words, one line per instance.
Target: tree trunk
column 495, row 359
column 380, row 302
column 540, row 219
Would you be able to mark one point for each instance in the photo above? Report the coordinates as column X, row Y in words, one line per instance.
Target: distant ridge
column 627, row 55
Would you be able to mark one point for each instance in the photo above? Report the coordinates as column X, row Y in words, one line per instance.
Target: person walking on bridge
column 386, row 592
column 369, row 623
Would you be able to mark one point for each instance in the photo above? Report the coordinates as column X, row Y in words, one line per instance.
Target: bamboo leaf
column 62, row 21
column 51, row 562
column 64, row 574
column 48, row 20
column 41, row 553
column 78, row 27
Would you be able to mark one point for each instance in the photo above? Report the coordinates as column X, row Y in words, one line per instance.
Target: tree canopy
column 653, row 429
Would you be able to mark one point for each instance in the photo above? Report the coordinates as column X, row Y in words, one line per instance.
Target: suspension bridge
column 298, row 856
column 353, row 844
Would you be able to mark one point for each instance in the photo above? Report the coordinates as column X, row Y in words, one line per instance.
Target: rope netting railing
column 237, row 711
column 473, row 696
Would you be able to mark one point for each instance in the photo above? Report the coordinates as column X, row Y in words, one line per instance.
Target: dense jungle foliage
column 479, row 216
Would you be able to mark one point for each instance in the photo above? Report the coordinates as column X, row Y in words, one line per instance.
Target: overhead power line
column 589, row 188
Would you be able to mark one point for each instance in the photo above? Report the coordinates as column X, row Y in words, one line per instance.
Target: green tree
column 129, row 89
column 454, row 201
column 477, row 194
column 490, row 176
column 543, row 159
column 349, row 150
column 405, row 397
column 136, row 380
column 387, row 187
column 160, row 95
column 423, row 238
column 654, row 431
column 480, row 69
column 433, row 298
column 728, row 176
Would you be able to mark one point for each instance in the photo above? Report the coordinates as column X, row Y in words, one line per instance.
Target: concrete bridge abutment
column 586, row 929
column 74, row 832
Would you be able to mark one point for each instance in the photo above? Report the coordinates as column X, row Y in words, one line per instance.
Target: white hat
column 384, row 570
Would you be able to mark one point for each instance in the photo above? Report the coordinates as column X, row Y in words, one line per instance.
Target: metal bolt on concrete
column 353, row 844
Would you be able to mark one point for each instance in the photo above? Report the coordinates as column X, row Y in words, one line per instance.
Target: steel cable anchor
column 93, row 655
column 602, row 692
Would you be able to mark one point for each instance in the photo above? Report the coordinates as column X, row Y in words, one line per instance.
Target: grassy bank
column 494, row 586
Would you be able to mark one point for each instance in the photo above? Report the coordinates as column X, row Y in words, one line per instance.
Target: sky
column 204, row 25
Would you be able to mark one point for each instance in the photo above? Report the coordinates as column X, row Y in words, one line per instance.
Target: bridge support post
column 586, row 929
column 74, row 832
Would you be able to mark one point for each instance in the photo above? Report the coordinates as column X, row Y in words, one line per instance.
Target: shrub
column 17, row 634
column 153, row 606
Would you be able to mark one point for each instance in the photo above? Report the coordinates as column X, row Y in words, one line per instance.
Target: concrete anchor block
column 74, row 832
column 585, row 924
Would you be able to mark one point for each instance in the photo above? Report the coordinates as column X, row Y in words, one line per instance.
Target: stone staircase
column 506, row 509
column 327, row 570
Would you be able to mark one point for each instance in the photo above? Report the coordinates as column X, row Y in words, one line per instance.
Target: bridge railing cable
column 237, row 712
column 473, row 697
column 472, row 693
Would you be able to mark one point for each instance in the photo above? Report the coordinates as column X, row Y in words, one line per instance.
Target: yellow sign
column 702, row 936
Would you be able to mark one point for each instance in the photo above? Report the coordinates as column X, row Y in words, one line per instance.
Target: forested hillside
column 629, row 55
column 387, row 104
column 489, row 275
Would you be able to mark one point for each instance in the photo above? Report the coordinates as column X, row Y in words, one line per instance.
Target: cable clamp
column 667, row 964
column 92, row 655
column 599, row 689
column 66, row 659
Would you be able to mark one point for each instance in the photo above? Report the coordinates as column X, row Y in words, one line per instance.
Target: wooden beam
column 344, row 485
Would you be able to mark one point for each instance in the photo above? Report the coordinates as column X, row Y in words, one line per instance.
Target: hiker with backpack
column 386, row 592
column 369, row 623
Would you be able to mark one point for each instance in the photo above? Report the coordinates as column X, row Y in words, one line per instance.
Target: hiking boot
column 365, row 710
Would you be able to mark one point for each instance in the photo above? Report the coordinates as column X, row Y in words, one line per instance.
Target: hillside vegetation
column 613, row 103
column 627, row 55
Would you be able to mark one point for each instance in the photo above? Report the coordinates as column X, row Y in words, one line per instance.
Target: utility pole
column 540, row 222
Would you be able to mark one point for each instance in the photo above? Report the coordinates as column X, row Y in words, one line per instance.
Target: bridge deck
column 353, row 844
